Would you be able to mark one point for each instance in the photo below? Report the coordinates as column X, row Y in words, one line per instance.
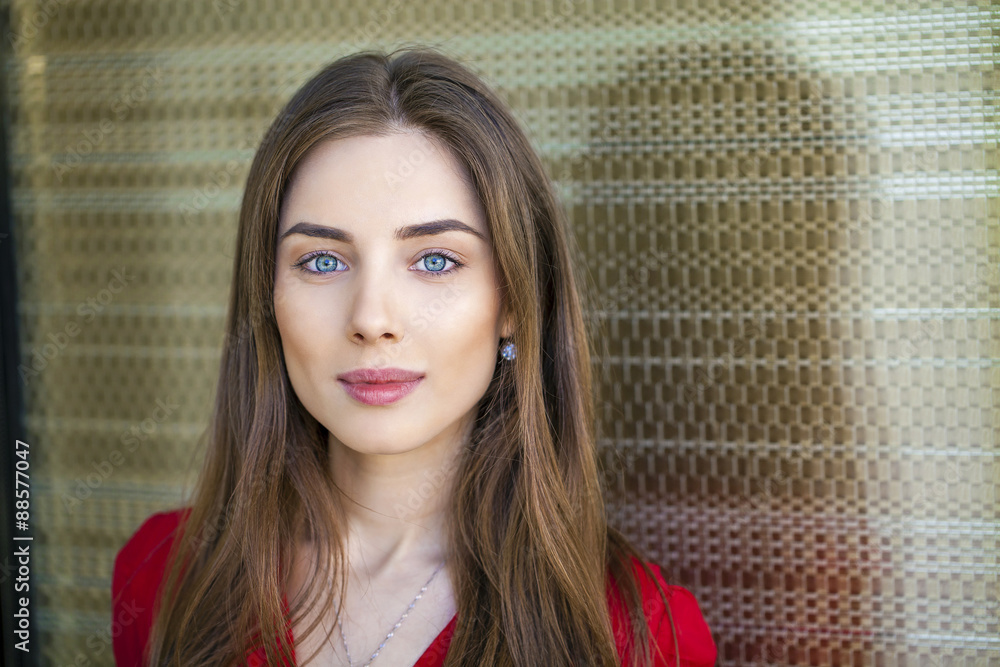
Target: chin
column 366, row 444
column 380, row 448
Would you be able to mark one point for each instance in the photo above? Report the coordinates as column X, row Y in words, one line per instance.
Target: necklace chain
column 389, row 636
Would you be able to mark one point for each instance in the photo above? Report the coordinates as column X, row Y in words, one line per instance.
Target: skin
column 388, row 302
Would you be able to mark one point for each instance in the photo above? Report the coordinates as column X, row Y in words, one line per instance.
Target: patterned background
column 789, row 210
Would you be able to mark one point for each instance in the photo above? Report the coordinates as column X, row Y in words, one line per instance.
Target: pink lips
column 379, row 386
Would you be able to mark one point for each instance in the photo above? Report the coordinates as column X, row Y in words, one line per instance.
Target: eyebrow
column 401, row 234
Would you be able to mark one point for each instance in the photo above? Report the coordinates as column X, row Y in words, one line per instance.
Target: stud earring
column 509, row 351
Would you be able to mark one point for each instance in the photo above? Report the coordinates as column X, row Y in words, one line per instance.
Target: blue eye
column 436, row 261
column 323, row 263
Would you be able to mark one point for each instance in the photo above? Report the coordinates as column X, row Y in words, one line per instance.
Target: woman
column 401, row 466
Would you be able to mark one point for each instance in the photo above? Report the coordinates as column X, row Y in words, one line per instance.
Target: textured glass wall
column 790, row 211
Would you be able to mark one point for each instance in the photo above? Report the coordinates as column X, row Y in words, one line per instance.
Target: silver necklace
column 385, row 641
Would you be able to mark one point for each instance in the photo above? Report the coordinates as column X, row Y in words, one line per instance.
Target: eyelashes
column 303, row 264
column 326, row 259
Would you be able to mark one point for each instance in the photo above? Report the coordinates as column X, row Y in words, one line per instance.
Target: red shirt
column 139, row 569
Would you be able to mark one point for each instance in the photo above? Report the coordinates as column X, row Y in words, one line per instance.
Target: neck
column 396, row 505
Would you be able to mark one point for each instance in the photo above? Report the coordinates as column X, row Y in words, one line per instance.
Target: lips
column 379, row 386
column 379, row 375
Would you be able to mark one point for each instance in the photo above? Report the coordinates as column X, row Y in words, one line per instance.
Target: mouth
column 379, row 386
column 379, row 375
column 379, row 393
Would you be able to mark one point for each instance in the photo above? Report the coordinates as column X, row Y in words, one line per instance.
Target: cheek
column 301, row 329
column 466, row 323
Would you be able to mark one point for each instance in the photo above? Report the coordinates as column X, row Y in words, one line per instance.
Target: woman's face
column 384, row 261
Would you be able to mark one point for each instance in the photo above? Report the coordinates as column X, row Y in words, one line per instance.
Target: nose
column 374, row 308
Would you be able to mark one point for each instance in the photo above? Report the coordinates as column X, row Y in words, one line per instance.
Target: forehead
column 389, row 180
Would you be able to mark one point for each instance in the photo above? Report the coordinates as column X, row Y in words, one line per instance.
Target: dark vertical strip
column 12, row 415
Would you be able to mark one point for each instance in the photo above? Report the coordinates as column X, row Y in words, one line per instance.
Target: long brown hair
column 530, row 544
